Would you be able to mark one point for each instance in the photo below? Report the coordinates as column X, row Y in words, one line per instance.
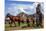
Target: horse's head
column 7, row 18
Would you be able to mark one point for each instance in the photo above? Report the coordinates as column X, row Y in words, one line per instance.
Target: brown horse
column 14, row 19
column 19, row 19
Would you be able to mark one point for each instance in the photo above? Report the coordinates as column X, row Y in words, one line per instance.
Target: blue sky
column 15, row 7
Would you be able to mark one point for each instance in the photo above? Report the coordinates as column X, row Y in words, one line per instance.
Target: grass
column 21, row 24
column 7, row 26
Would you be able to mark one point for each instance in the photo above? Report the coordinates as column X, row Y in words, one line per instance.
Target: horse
column 7, row 20
column 14, row 19
column 19, row 19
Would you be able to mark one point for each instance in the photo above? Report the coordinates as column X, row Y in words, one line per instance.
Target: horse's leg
column 5, row 22
column 19, row 23
column 33, row 23
column 28, row 24
column 9, row 21
column 15, row 23
column 22, row 21
column 11, row 24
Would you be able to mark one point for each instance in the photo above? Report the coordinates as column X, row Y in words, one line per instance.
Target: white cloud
column 14, row 8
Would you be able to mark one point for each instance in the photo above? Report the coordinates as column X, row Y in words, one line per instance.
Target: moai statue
column 38, row 16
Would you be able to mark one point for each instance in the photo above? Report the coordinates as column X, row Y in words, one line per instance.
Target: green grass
column 21, row 24
column 7, row 26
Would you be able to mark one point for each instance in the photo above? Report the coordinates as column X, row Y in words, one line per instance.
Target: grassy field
column 7, row 26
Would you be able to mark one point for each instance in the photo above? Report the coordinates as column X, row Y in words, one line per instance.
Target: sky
column 15, row 7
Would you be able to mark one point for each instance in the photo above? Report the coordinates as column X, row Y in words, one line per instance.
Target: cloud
column 14, row 8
